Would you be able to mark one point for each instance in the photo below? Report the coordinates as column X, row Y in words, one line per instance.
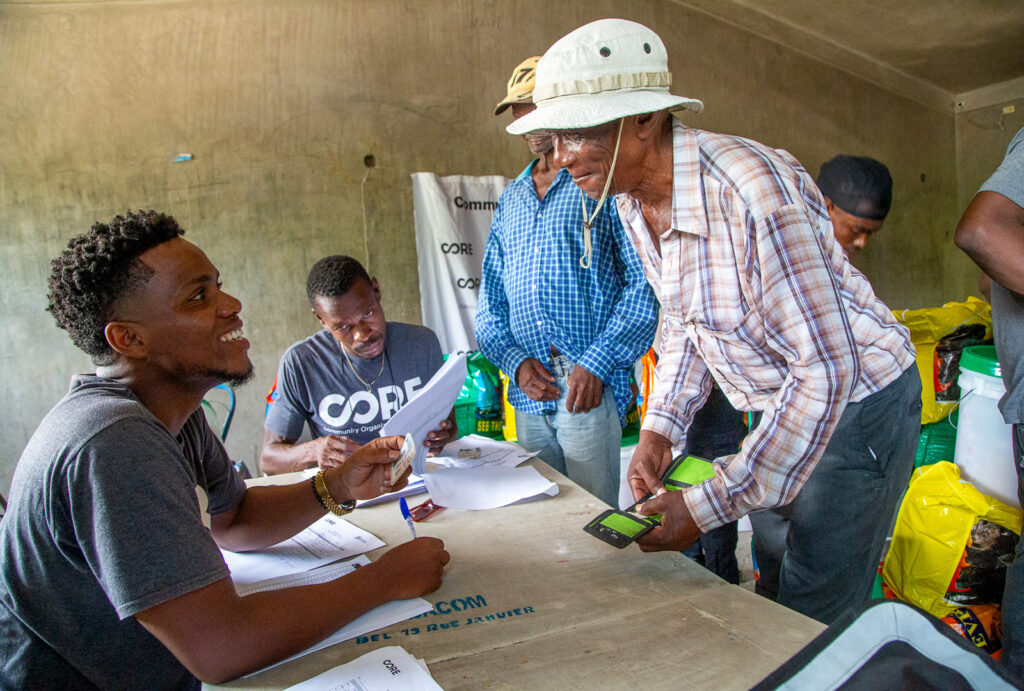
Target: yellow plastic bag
column 927, row 327
column 508, row 426
column 932, row 530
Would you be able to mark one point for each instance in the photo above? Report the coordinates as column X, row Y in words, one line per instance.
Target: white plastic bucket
column 983, row 448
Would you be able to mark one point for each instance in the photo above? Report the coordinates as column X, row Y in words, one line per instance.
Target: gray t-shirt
column 103, row 523
column 316, row 385
column 1008, row 306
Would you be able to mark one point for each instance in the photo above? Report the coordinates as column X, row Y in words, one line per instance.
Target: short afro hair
column 97, row 269
column 333, row 276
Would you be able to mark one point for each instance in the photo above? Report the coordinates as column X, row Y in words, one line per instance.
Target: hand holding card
column 408, row 452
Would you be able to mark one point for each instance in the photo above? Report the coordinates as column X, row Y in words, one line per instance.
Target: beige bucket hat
column 602, row 71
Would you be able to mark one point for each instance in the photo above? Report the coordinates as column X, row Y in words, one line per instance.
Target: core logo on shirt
column 362, row 407
column 468, row 283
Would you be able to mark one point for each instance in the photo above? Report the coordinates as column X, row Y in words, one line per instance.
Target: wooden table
column 530, row 601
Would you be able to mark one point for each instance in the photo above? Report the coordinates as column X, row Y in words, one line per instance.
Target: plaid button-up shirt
column 535, row 294
column 757, row 294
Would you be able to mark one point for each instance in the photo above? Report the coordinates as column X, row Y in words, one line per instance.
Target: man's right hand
column 535, row 380
column 331, row 451
column 367, row 472
column 413, row 568
column 652, row 456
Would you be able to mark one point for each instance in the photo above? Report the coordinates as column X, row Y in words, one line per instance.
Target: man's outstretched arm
column 218, row 635
column 991, row 232
column 267, row 515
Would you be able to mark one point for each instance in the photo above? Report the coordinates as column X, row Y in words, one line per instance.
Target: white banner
column 453, row 219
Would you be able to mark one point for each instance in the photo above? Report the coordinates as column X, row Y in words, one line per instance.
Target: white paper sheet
column 486, row 488
column 385, row 669
column 493, row 453
column 377, row 618
column 329, row 539
column 415, row 486
column 428, row 407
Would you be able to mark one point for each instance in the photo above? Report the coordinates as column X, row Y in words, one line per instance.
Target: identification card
column 408, row 452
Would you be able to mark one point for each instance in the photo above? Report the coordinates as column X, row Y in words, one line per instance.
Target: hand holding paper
column 431, row 404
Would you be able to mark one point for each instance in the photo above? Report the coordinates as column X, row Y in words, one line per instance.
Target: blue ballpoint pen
column 405, row 514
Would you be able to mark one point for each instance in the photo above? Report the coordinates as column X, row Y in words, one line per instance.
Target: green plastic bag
column 478, row 409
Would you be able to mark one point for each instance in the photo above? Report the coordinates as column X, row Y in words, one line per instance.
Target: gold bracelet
column 323, row 495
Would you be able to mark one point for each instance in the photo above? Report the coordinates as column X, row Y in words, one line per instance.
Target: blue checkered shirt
column 534, row 293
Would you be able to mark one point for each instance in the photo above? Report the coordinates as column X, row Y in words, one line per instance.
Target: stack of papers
column 486, row 488
column 382, row 669
column 480, row 473
column 475, row 451
column 329, row 539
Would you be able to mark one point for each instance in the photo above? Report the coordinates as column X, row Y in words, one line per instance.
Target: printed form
column 329, row 539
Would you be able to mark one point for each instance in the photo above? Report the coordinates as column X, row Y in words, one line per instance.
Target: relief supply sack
column 951, row 543
column 478, row 409
column 940, row 334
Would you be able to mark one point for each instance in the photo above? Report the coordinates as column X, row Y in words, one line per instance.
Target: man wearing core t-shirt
column 348, row 379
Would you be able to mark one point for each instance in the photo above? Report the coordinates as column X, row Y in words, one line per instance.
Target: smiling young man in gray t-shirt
column 108, row 577
column 347, row 380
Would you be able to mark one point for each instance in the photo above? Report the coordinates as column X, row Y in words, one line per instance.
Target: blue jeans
column 584, row 446
column 819, row 554
column 1013, row 594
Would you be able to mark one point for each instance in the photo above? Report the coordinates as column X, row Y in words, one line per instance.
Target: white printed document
column 329, row 539
column 377, row 618
column 384, row 669
column 477, row 451
column 486, row 488
column 428, row 407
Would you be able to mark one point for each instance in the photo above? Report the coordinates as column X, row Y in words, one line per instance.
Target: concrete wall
column 279, row 102
column 981, row 139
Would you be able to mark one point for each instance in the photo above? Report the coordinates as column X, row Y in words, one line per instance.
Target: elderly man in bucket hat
column 564, row 312
column 757, row 296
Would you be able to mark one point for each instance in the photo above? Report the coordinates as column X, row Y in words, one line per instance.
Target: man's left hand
column 677, row 530
column 436, row 439
column 585, row 391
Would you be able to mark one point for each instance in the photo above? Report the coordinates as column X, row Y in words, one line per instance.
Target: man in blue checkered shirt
column 565, row 311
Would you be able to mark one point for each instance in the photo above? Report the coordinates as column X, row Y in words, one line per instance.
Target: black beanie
column 858, row 185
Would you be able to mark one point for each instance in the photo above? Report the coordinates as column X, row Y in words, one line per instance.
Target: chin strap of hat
column 588, row 223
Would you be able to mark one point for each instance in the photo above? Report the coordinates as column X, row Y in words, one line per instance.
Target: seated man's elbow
column 267, row 464
column 216, row 667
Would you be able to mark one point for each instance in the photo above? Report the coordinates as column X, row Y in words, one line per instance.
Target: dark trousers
column 819, row 553
column 717, row 430
column 1013, row 594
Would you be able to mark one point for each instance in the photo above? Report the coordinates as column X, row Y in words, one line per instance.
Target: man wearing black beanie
column 858, row 193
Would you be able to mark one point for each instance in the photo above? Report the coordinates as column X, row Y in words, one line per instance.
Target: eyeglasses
column 579, row 137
